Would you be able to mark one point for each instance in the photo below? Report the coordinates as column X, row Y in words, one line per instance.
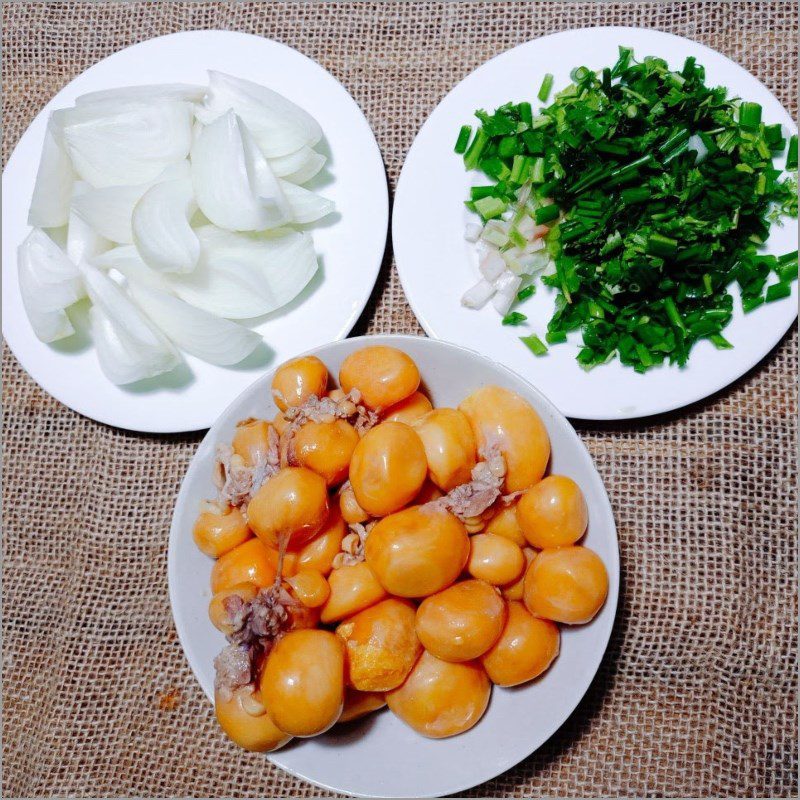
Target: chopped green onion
column 791, row 154
column 490, row 207
column 476, row 148
column 720, row 342
column 514, row 318
column 525, row 113
column 524, row 294
column 778, row 291
column 751, row 303
column 546, row 214
column 544, row 89
column 463, row 139
column 534, row 344
column 750, row 115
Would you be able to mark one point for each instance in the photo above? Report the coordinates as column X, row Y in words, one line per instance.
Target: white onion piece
column 279, row 126
column 492, row 265
column 119, row 144
column 298, row 167
column 128, row 346
column 161, row 230
column 478, row 295
column 83, row 241
column 127, row 261
column 123, row 358
column 223, row 184
column 55, row 278
column 49, row 326
column 472, row 232
column 47, row 285
column 506, row 288
column 109, row 210
column 53, row 188
column 264, row 182
column 305, row 206
column 210, row 338
column 145, row 94
column 246, row 275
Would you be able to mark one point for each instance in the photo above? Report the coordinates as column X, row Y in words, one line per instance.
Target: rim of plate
column 768, row 341
column 16, row 339
column 183, row 626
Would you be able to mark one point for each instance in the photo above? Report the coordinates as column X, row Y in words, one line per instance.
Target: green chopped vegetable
column 534, row 344
column 791, row 154
column 544, row 89
column 524, row 294
column 514, row 318
column 463, row 139
column 646, row 234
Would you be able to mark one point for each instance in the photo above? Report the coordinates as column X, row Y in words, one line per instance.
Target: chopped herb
column 463, row 139
column 524, row 294
column 534, row 344
column 514, row 318
column 646, row 236
column 544, row 89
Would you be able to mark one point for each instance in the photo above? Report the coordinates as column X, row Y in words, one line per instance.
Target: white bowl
column 380, row 756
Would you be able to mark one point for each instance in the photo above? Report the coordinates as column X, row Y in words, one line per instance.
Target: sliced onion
column 279, row 126
column 264, row 182
column 210, row 338
column 506, row 288
column 128, row 346
column 478, row 295
column 128, row 263
column 49, row 265
column 305, row 206
column 246, row 275
column 472, row 232
column 48, row 283
column 123, row 358
column 492, row 265
column 161, row 230
column 109, row 210
column 53, row 188
column 83, row 241
column 145, row 94
column 123, row 144
column 223, row 181
column 298, row 167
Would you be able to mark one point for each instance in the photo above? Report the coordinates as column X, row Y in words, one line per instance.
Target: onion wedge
column 48, row 283
column 144, row 94
column 160, row 226
column 298, row 167
column 210, row 338
column 305, row 206
column 230, row 180
column 122, row 144
column 242, row 275
column 109, row 210
column 53, row 188
column 128, row 346
column 279, row 126
column 83, row 241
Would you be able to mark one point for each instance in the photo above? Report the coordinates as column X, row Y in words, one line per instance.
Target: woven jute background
column 697, row 694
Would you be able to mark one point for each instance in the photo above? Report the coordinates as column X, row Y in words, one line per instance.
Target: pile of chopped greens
column 659, row 190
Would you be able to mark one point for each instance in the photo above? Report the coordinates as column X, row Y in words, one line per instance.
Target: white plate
column 380, row 756
column 350, row 244
column 437, row 265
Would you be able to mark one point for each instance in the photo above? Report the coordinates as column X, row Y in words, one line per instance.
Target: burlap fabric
column 697, row 694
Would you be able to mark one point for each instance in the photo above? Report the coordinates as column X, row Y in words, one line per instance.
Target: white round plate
column 437, row 265
column 380, row 756
column 350, row 243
